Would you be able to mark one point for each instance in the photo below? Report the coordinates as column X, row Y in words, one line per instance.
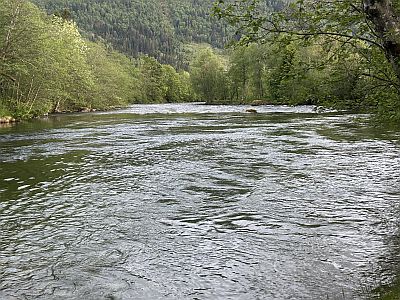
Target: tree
column 208, row 73
column 385, row 19
column 247, row 70
column 258, row 59
column 116, row 81
column 66, row 76
column 374, row 22
column 21, row 31
column 157, row 28
column 153, row 79
column 239, row 73
column 365, row 33
column 46, row 65
column 177, row 85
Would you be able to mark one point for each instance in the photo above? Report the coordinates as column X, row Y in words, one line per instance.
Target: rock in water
column 7, row 119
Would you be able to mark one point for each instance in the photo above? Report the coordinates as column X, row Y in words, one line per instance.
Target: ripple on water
column 155, row 203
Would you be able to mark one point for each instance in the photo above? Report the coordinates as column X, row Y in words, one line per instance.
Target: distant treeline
column 153, row 27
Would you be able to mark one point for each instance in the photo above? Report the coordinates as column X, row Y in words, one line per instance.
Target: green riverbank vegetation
column 47, row 66
column 337, row 53
column 284, row 72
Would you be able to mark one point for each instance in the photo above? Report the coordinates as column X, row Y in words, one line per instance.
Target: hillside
column 159, row 28
column 154, row 27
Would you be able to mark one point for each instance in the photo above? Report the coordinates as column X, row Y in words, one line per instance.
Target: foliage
column 66, row 77
column 116, row 79
column 178, row 85
column 154, row 87
column 47, row 66
column 156, row 28
column 208, row 73
column 288, row 72
column 360, row 39
column 19, row 52
column 162, row 83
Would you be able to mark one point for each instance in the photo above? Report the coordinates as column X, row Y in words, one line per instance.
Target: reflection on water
column 198, row 202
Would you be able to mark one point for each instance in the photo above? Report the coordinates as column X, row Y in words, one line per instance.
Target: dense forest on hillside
column 157, row 28
column 160, row 29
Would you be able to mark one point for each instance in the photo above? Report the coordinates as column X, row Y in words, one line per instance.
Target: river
column 185, row 201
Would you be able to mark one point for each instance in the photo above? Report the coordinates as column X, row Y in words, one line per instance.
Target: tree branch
column 8, row 77
column 316, row 33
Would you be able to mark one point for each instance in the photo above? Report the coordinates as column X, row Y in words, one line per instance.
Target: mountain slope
column 155, row 27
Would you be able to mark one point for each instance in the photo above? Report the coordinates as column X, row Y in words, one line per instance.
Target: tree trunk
column 10, row 31
column 387, row 26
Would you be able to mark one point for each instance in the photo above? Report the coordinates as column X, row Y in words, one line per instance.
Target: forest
column 47, row 66
column 174, row 52
column 157, row 28
column 341, row 54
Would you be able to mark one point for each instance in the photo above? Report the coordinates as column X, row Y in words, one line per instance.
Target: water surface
column 198, row 202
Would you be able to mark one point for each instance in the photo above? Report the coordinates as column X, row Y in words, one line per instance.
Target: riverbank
column 8, row 120
column 9, row 116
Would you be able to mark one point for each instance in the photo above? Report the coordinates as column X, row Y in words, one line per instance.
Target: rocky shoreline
column 7, row 120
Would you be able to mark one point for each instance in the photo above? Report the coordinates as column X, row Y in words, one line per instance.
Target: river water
column 198, row 202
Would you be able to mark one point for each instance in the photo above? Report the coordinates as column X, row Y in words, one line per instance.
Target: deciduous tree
column 374, row 22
